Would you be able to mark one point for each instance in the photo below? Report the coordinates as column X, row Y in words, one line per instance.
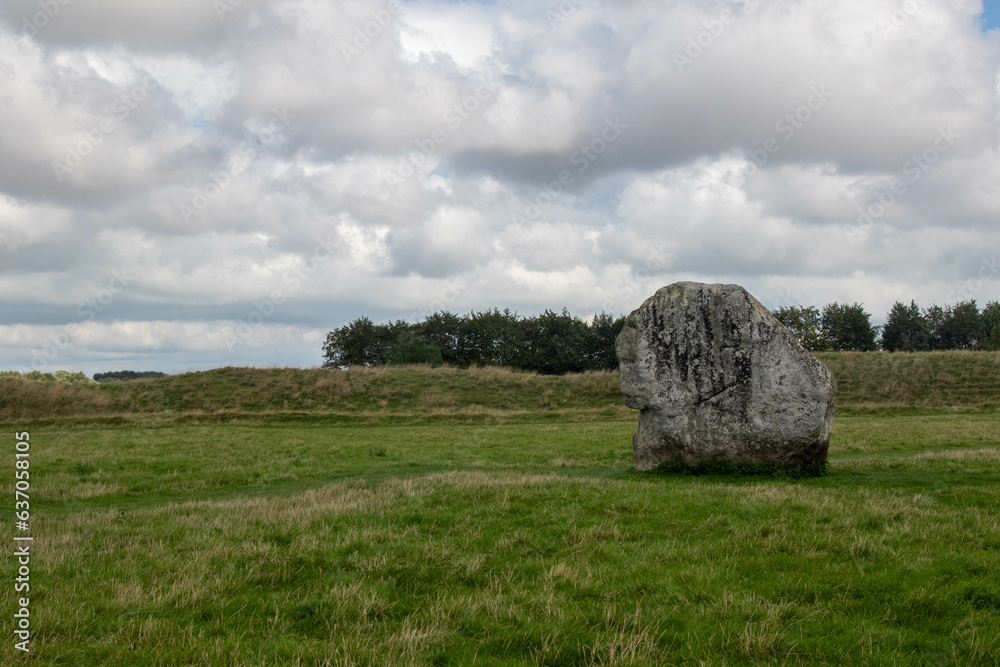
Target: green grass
column 443, row 518
column 520, row 543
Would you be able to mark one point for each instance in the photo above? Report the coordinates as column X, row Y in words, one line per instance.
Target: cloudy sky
column 199, row 183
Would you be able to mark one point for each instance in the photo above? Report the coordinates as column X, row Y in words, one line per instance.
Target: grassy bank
column 417, row 391
column 950, row 379
column 970, row 380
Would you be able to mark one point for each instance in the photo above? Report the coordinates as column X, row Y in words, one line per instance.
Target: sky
column 991, row 14
column 201, row 183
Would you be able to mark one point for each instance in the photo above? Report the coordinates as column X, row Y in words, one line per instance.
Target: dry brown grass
column 984, row 454
column 24, row 399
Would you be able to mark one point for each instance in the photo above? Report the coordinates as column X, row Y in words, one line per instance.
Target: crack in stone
column 721, row 391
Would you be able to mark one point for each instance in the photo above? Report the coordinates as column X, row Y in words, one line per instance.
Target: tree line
column 556, row 343
column 123, row 376
column 907, row 328
column 550, row 343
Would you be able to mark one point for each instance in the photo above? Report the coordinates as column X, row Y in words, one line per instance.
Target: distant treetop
column 122, row 376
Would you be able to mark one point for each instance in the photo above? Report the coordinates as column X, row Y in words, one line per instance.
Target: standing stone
column 717, row 376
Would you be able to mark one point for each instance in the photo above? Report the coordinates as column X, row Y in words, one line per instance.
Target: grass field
column 446, row 517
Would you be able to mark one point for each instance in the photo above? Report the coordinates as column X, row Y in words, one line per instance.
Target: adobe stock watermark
column 363, row 35
column 38, row 20
column 785, row 297
column 565, row 9
column 249, row 149
column 988, row 270
column 293, row 279
column 223, row 7
column 788, row 125
column 912, row 170
column 454, row 117
column 22, row 511
column 699, row 43
column 88, row 310
column 581, row 158
column 656, row 259
column 449, row 294
column 118, row 111
column 899, row 16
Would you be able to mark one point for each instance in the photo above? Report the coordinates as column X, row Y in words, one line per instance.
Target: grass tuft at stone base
column 727, row 468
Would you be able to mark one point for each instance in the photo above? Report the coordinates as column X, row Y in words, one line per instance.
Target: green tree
column 906, row 329
column 601, row 336
column 962, row 327
column 409, row 349
column 991, row 326
column 848, row 327
column 445, row 331
column 936, row 317
column 554, row 343
column 804, row 322
column 361, row 343
column 493, row 338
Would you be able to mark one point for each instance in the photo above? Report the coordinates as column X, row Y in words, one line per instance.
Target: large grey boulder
column 717, row 376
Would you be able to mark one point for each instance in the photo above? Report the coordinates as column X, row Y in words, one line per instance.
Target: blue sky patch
column 991, row 14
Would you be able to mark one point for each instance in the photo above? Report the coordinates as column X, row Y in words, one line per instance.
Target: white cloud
column 463, row 33
column 399, row 182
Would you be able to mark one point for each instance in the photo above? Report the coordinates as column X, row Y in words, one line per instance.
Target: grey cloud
column 675, row 195
column 155, row 25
